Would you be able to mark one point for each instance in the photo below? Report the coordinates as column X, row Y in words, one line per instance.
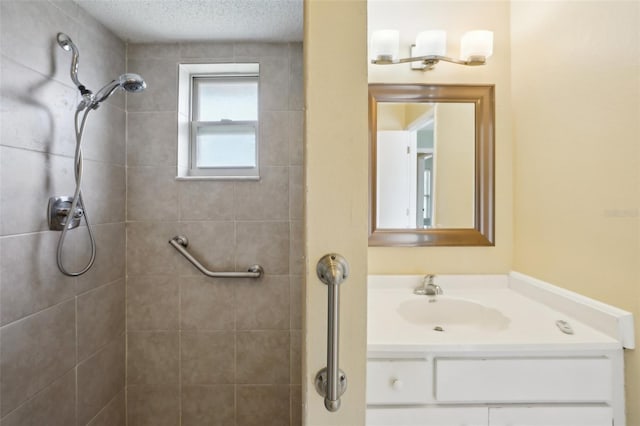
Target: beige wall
column 336, row 197
column 456, row 18
column 214, row 351
column 454, row 193
column 62, row 347
column 576, row 101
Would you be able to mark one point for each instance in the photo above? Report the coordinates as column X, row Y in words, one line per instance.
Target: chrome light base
column 58, row 211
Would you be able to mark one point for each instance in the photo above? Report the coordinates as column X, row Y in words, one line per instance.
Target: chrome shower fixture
column 65, row 213
column 132, row 83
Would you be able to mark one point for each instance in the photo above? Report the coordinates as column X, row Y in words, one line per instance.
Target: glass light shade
column 432, row 42
column 476, row 43
column 385, row 44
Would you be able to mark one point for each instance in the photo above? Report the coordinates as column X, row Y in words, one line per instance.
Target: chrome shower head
column 132, row 83
column 65, row 42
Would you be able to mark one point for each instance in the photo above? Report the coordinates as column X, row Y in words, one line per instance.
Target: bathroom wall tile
column 262, row 405
column 24, row 287
column 208, row 357
column 260, row 50
column 151, row 139
column 33, row 102
column 153, row 405
column 101, row 317
column 211, row 243
column 161, row 93
column 34, row 352
column 274, row 83
column 105, row 135
column 296, row 247
column 153, row 194
column 28, row 179
column 153, row 51
column 296, row 77
column 216, row 205
column 206, row 50
column 268, row 311
column 296, row 138
column 265, row 243
column 55, row 405
column 109, row 265
column 152, row 302
column 262, row 357
column 113, row 414
column 296, row 192
column 295, row 292
column 296, row 357
column 100, row 379
column 103, row 191
column 152, row 357
column 274, row 138
column 207, row 303
column 266, row 199
column 28, row 35
column 296, row 405
column 211, row 405
column 103, row 58
column 148, row 251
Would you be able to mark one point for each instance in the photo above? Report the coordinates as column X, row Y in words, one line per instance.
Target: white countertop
column 532, row 325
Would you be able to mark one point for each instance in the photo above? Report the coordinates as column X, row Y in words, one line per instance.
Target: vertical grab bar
column 331, row 382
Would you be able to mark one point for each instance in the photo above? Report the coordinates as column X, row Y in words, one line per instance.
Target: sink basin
column 444, row 312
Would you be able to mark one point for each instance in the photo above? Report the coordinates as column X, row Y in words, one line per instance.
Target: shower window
column 222, row 125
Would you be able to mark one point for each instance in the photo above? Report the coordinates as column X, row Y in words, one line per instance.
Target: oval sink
column 445, row 311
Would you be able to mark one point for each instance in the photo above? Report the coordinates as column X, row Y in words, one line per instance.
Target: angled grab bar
column 180, row 243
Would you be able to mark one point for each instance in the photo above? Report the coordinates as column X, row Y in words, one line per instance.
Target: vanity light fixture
column 431, row 48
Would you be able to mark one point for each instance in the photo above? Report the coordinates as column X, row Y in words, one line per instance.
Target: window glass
column 227, row 99
column 226, row 146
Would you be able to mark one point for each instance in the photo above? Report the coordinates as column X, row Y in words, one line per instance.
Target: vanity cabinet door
column 427, row 416
column 551, row 416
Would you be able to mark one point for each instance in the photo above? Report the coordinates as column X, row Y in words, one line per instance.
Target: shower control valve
column 58, row 213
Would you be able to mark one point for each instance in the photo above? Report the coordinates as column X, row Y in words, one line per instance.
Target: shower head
column 67, row 44
column 132, row 83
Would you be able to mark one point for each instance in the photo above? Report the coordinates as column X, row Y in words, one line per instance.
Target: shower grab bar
column 180, row 243
column 331, row 382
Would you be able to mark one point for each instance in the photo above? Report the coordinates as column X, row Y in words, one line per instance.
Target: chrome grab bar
column 331, row 382
column 180, row 243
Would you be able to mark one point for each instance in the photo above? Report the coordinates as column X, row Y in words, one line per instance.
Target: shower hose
column 77, row 198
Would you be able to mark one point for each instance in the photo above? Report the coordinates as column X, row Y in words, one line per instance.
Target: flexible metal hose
column 77, row 197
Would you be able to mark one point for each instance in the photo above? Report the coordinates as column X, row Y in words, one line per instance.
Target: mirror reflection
column 431, row 165
column 425, row 165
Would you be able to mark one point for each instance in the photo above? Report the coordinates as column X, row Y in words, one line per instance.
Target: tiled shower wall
column 62, row 342
column 205, row 351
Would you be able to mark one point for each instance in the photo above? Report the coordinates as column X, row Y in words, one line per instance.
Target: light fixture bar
column 431, row 60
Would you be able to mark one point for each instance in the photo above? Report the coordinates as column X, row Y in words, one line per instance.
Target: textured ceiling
column 188, row 20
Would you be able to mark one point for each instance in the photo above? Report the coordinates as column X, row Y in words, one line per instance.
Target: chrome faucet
column 428, row 287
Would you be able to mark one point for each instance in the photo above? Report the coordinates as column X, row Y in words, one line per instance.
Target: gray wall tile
column 101, row 317
column 153, row 405
column 266, row 199
column 161, row 93
column 207, row 304
column 207, row 200
column 109, row 265
column 25, row 289
column 152, row 357
column 34, row 352
column 211, row 405
column 265, row 243
column 156, row 194
column 113, row 414
column 208, row 357
column 153, row 302
column 151, row 140
column 148, row 250
column 55, row 405
column 218, row 51
column 100, row 379
column 263, row 304
column 263, row 357
column 263, row 405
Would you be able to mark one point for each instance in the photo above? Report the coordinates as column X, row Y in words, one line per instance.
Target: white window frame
column 189, row 75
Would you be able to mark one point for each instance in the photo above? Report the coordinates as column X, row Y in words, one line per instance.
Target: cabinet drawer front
column 431, row 416
column 398, row 382
column 523, row 380
column 551, row 416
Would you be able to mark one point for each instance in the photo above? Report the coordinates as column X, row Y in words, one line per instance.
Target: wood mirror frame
column 482, row 96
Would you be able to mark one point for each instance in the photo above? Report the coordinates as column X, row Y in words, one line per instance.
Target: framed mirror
column 431, row 168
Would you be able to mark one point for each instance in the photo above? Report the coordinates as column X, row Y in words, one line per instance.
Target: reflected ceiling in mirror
column 431, row 165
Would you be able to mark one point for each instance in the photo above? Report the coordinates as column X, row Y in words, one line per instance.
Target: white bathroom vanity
column 493, row 350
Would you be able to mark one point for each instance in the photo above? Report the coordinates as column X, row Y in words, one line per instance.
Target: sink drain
column 438, row 328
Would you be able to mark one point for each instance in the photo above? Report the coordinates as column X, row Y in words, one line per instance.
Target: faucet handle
column 428, row 279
